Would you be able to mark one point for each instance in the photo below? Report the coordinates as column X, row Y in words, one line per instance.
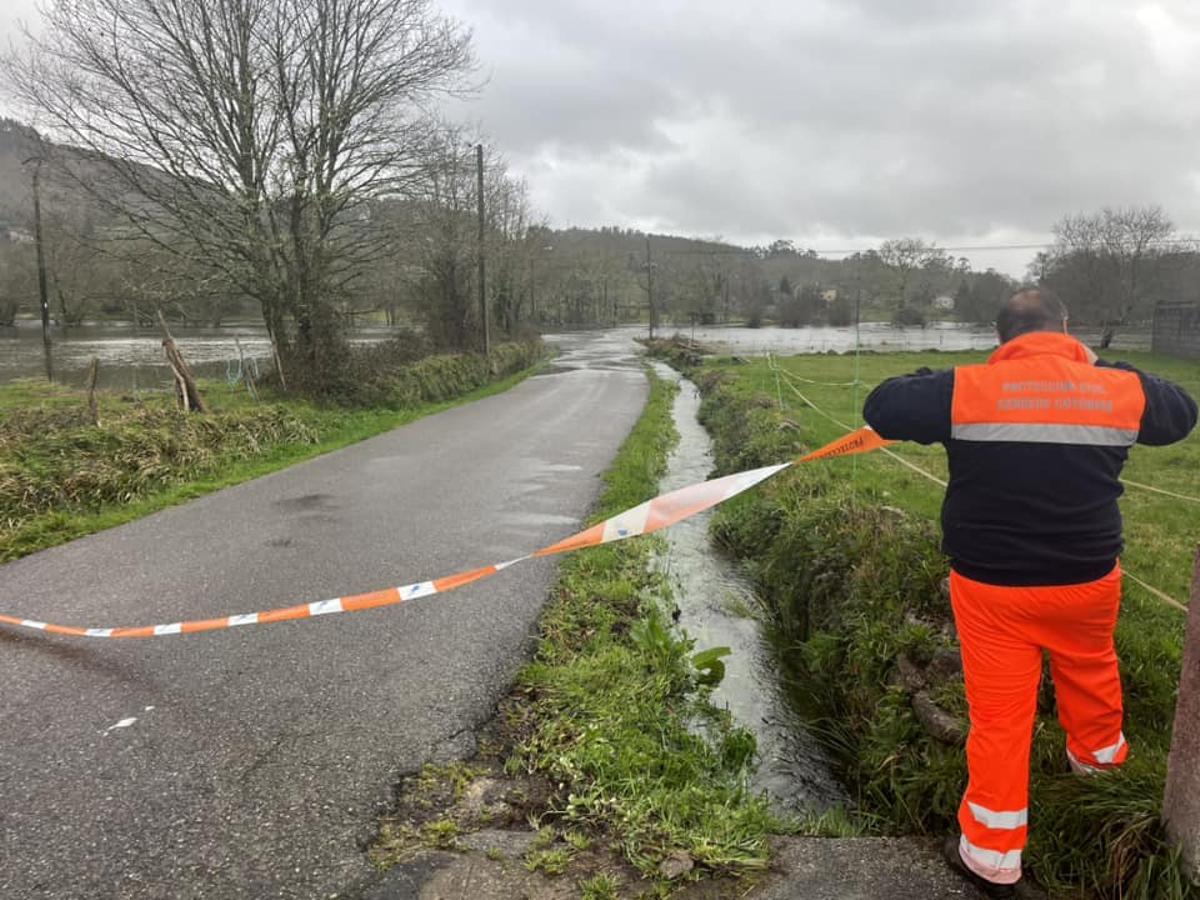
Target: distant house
column 17, row 236
column 943, row 302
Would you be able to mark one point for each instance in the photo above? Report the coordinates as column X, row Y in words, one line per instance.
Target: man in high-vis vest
column 1036, row 438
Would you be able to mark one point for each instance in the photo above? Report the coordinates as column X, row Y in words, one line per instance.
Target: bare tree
column 1101, row 262
column 249, row 136
column 444, row 228
column 905, row 257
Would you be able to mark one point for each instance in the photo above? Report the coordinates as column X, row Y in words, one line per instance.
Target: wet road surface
column 252, row 762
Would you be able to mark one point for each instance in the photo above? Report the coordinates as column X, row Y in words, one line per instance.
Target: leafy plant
column 707, row 663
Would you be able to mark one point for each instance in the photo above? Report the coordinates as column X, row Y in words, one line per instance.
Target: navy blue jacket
column 1026, row 513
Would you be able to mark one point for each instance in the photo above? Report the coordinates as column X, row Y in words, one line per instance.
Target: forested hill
column 63, row 200
column 17, row 143
column 632, row 243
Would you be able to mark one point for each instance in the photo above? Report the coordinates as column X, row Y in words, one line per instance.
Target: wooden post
column 246, row 376
column 43, row 294
column 1181, row 799
column 483, row 307
column 186, row 391
column 93, row 408
column 650, row 288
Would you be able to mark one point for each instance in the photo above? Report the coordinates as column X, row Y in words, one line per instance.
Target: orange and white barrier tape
column 646, row 518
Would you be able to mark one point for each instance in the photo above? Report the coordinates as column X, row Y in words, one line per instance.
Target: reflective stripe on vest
column 1041, row 388
column 1038, row 433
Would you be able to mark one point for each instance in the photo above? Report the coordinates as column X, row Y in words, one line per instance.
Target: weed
column 577, row 840
column 441, row 833
column 552, row 862
column 836, row 822
column 457, row 774
column 599, row 887
column 546, row 836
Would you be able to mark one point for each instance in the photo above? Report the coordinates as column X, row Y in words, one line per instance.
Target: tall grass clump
column 49, row 462
column 407, row 370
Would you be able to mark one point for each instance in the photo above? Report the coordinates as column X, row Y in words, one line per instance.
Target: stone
column 938, row 723
column 678, row 862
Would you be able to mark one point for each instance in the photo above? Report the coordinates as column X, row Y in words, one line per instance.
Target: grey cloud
column 947, row 118
column 953, row 119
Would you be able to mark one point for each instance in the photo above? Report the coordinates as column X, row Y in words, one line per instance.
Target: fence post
column 1181, row 799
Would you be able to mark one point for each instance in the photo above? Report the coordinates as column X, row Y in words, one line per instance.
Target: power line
column 754, row 252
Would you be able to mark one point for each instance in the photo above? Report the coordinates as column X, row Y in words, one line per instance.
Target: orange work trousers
column 1003, row 631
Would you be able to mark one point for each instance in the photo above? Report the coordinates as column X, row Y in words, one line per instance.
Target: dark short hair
column 1033, row 309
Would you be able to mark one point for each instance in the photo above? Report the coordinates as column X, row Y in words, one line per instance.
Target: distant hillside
column 628, row 242
column 63, row 201
column 17, row 143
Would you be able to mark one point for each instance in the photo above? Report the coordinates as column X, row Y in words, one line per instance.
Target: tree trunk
column 186, row 392
column 1181, row 798
column 1107, row 335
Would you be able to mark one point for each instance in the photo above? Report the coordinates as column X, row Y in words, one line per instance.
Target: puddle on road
column 593, row 351
column 714, row 599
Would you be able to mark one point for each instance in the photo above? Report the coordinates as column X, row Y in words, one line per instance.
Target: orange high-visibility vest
column 1044, row 388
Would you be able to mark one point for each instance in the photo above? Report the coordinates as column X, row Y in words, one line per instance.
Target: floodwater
column 715, row 600
column 131, row 359
column 872, row 336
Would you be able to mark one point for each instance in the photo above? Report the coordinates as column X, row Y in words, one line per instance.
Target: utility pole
column 533, row 280
column 43, row 292
column 483, row 310
column 650, row 287
column 533, row 287
column 1181, row 798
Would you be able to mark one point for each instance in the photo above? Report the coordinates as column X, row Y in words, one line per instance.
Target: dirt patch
column 469, row 829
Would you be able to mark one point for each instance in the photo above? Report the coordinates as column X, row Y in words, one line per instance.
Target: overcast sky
column 838, row 123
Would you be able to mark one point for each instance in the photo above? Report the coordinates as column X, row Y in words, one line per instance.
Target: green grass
column 615, row 699
column 846, row 553
column 61, row 478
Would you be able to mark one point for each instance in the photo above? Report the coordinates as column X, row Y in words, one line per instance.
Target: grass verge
column 846, row 554
column 62, row 478
column 614, row 706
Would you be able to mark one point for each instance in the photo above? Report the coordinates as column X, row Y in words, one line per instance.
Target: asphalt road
column 260, row 756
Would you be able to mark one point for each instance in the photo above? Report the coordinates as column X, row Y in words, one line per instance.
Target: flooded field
column 131, row 359
column 716, row 604
column 873, row 336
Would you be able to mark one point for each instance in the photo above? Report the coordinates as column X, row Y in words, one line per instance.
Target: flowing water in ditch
column 714, row 601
